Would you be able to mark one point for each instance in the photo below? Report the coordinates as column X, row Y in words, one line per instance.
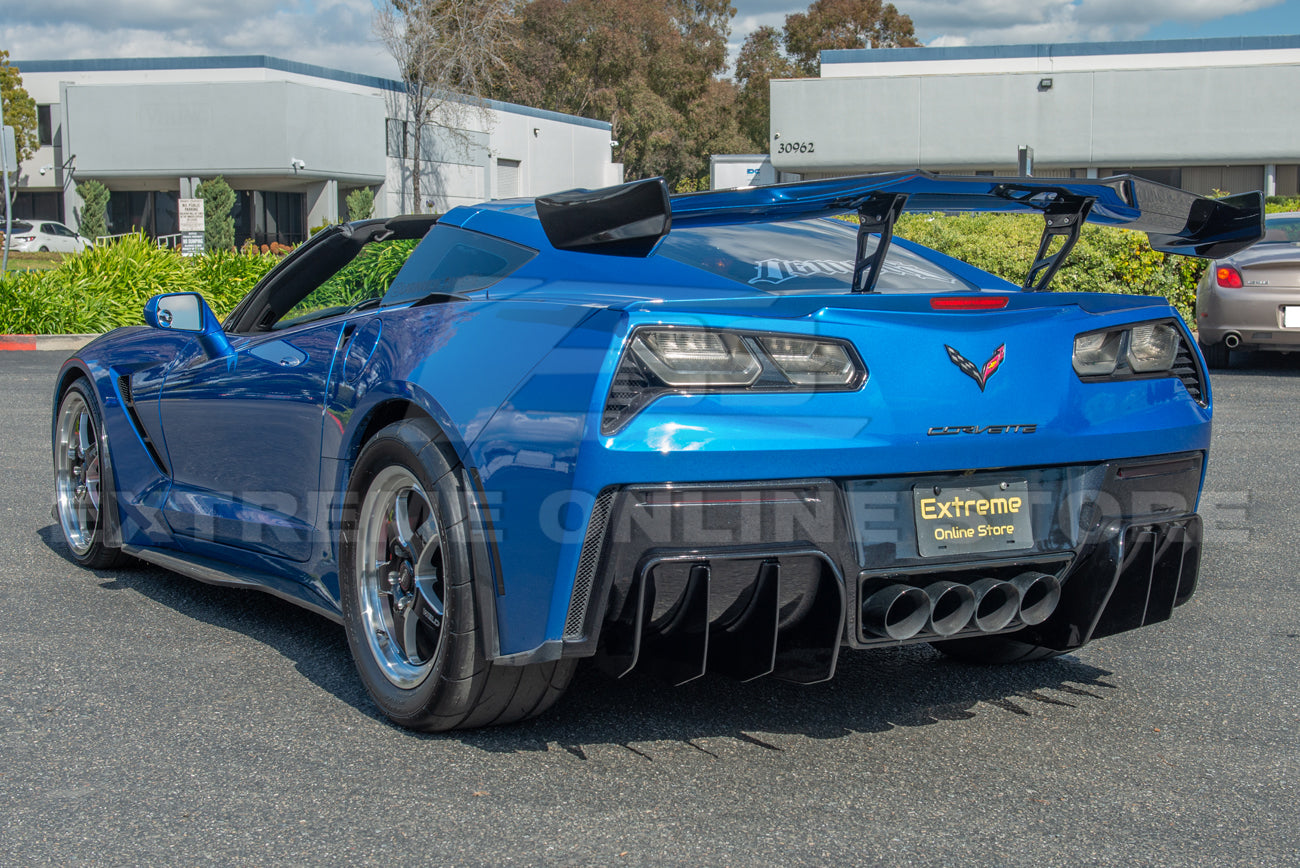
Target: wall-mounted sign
column 189, row 214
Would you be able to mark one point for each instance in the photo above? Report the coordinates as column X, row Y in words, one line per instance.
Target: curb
column 44, row 342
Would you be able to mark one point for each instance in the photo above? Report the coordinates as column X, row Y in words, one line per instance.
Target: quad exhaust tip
column 1040, row 594
column 896, row 612
column 997, row 603
column 945, row 608
column 951, row 607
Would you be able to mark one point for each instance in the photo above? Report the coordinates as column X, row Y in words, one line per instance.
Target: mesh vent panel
column 588, row 562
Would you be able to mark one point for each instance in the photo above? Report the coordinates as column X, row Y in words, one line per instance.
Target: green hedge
column 1104, row 260
column 107, row 286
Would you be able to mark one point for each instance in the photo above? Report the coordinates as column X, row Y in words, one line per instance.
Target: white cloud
column 336, row 33
column 332, row 33
column 1010, row 22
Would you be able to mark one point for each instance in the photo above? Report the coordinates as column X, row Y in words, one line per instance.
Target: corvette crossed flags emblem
column 979, row 375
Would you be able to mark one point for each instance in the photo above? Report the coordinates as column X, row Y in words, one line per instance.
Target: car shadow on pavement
column 1259, row 364
column 872, row 691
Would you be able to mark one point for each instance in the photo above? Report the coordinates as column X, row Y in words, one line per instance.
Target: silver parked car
column 1251, row 300
column 40, row 236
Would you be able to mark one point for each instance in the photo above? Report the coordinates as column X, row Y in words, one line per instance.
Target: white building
column 1203, row 114
column 292, row 140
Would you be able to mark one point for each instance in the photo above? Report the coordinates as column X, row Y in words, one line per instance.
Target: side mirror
column 180, row 311
column 188, row 312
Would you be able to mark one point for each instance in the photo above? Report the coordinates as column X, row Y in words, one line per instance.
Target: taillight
column 1228, row 276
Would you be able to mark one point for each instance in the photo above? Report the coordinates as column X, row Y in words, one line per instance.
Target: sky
column 337, row 33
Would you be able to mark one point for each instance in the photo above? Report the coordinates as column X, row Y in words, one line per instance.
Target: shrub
column 361, row 204
column 94, row 210
column 1105, row 259
column 218, row 225
column 107, row 286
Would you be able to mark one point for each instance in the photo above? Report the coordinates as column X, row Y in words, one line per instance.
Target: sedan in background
column 44, row 236
column 1251, row 300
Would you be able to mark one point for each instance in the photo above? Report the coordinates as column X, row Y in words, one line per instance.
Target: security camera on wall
column 297, row 165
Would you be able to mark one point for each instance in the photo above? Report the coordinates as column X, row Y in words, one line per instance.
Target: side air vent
column 627, row 394
column 588, row 562
column 128, row 401
column 1186, row 370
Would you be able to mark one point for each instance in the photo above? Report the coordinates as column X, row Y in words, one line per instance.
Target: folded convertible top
column 630, row 219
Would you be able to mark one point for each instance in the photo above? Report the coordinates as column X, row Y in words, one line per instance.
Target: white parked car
column 44, row 235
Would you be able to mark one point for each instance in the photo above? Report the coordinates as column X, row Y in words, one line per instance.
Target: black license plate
column 980, row 519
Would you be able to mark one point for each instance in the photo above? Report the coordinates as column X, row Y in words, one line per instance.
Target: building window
column 152, row 213
column 38, row 206
column 265, row 217
column 45, row 124
column 396, row 131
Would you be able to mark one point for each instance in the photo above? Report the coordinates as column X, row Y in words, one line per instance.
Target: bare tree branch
column 447, row 52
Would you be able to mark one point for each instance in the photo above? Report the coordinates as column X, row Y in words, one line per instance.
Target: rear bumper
column 774, row 577
column 1256, row 317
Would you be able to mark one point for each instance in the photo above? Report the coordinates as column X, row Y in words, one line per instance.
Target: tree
column 447, row 52
column 94, row 197
column 796, row 50
column 19, row 112
column 761, row 59
column 651, row 68
column 831, row 24
column 218, row 224
column 361, row 203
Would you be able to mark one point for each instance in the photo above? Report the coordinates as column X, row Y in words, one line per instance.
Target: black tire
column 79, row 450
column 1216, row 354
column 994, row 649
column 44, row 249
column 408, row 595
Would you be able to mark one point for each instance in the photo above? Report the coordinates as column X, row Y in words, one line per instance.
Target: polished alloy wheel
column 399, row 565
column 77, row 473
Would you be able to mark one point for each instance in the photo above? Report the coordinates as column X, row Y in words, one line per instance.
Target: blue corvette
column 707, row 432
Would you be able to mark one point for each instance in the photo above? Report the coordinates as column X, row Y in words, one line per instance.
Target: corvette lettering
column 949, row 430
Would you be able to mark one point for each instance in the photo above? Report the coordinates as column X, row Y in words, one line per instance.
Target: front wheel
column 408, row 595
column 78, row 472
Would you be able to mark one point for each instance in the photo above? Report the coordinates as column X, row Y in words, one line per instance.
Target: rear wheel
column 1216, row 354
column 78, row 466
column 408, row 595
column 994, row 649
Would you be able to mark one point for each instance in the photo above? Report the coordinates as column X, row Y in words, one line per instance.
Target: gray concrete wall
column 247, row 129
column 1148, row 117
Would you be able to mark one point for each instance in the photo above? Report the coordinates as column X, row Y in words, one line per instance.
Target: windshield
column 800, row 256
column 1281, row 230
column 19, row 227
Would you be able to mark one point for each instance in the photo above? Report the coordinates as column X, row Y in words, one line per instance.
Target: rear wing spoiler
column 630, row 219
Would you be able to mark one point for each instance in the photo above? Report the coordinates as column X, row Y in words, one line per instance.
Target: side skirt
column 216, row 573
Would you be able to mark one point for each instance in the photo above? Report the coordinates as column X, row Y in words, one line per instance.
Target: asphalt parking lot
column 149, row 719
